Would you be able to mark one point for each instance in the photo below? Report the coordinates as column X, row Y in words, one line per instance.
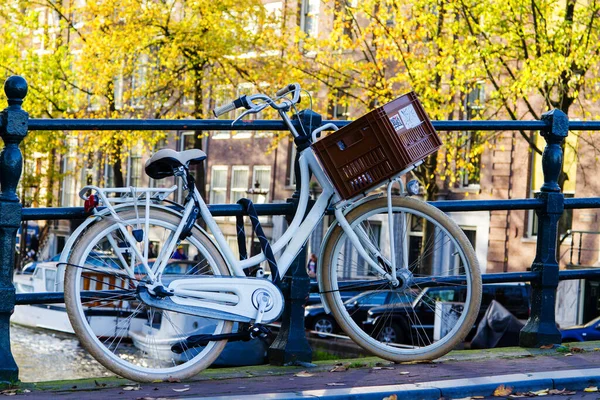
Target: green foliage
column 124, row 59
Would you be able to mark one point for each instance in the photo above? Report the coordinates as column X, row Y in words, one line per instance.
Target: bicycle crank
column 225, row 298
column 253, row 332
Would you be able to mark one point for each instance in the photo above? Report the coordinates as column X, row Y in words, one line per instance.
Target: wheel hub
column 405, row 278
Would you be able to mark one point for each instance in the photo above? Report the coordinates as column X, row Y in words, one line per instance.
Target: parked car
column 582, row 333
column 406, row 324
column 316, row 319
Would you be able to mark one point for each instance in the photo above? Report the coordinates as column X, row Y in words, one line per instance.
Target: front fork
column 362, row 242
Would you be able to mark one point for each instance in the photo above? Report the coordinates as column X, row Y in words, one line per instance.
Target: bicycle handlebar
column 286, row 90
column 248, row 104
column 224, row 109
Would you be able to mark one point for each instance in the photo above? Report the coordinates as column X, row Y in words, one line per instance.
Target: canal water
column 47, row 356
column 44, row 355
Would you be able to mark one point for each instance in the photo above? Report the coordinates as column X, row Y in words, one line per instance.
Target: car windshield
column 592, row 322
column 396, row 297
column 431, row 295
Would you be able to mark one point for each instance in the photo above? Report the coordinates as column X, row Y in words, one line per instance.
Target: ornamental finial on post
column 557, row 129
column 13, row 129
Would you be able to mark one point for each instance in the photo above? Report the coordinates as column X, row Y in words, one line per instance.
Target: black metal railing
column 579, row 253
column 291, row 343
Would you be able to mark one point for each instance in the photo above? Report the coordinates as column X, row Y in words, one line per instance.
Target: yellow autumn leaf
column 502, row 391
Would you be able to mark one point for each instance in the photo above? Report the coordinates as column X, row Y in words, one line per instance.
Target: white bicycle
column 147, row 316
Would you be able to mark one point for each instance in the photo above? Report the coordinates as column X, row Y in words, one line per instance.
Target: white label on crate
column 396, row 122
column 409, row 117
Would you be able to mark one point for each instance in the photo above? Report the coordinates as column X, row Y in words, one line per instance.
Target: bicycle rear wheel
column 438, row 299
column 125, row 335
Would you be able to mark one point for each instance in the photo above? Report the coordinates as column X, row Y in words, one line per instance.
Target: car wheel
column 391, row 334
column 323, row 324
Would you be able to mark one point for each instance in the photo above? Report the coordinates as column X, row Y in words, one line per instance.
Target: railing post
column 541, row 327
column 13, row 129
column 291, row 344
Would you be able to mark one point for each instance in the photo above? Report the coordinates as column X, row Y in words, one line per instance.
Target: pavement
column 560, row 372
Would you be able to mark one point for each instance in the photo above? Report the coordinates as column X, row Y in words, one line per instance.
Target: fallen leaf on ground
column 563, row 392
column 383, row 368
column 568, row 354
column 303, row 374
column 577, row 350
column 417, row 362
column 392, row 397
column 591, row 389
column 132, row 388
column 547, row 346
column 26, row 391
column 520, row 395
column 543, row 392
column 339, row 368
column 9, row 392
column 404, row 373
column 182, row 389
column 502, row 391
column 336, row 384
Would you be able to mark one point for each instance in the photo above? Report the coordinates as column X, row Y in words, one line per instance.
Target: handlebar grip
column 224, row 109
column 285, row 90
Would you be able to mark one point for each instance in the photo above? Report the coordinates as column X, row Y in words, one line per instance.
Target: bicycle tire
column 134, row 362
column 334, row 270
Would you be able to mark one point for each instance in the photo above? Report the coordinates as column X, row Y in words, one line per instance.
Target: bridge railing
column 291, row 344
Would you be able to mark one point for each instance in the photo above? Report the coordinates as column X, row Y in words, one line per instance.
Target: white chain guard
column 228, row 295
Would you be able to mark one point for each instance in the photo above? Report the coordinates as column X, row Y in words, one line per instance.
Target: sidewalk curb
column 455, row 388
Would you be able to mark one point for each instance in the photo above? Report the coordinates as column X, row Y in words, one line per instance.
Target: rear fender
column 97, row 216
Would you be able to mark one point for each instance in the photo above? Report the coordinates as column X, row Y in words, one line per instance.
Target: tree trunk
column 117, row 167
column 199, row 170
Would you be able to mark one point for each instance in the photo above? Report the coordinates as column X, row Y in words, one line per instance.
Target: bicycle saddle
column 162, row 163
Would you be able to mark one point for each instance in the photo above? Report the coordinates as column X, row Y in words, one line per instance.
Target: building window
column 239, row 182
column 261, row 183
column 290, row 179
column 134, row 167
column 187, row 141
column 137, row 83
column 470, row 141
column 309, row 19
column 135, row 170
column 565, row 223
column 233, row 245
column 218, row 184
column 274, row 13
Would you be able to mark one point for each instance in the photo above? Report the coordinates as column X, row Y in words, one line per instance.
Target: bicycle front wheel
column 437, row 300
column 125, row 335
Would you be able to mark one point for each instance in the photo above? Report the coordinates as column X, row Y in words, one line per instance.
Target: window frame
column 214, row 189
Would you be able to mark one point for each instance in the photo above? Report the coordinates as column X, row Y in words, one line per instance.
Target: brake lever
column 258, row 109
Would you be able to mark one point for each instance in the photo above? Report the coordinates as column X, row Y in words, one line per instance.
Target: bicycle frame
column 299, row 229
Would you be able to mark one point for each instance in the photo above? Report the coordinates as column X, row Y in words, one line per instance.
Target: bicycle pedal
column 257, row 331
